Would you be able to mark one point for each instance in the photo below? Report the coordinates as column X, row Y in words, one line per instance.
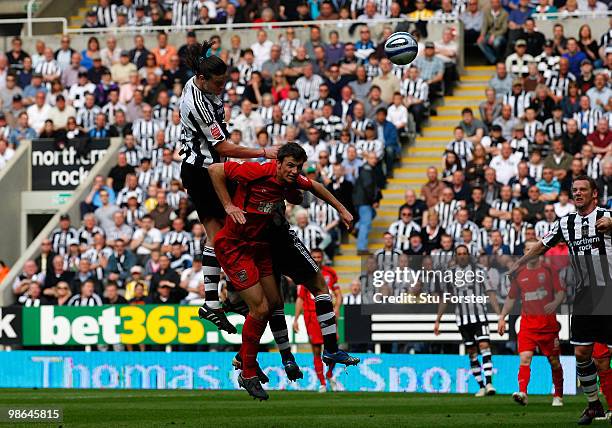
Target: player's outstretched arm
column 321, row 192
column 217, row 176
column 501, row 324
column 230, row 150
column 493, row 301
column 536, row 251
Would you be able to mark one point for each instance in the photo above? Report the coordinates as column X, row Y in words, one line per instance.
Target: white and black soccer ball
column 401, row 48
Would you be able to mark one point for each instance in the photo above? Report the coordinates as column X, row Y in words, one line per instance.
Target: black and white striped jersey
column 319, row 103
column 308, row 88
column 179, row 264
column 467, row 283
column 365, row 146
column 174, row 198
column 312, row 236
column 203, row 123
column 399, row 71
column 329, row 127
column 521, row 146
column 266, row 114
column 543, row 228
column 387, row 259
column 162, row 115
column 174, row 237
column 185, row 13
column 415, row 88
column 144, row 132
column 372, row 71
column 531, row 128
column 146, row 178
column 246, row 70
column 173, row 136
column 157, row 155
column 322, row 214
column 196, row 246
column 96, row 257
column 587, row 120
column 133, row 155
column 401, row 232
column 446, row 212
column 547, row 65
column 554, row 129
column 514, row 237
column 165, row 173
column 87, row 236
column 106, row 16
column 606, row 38
column 109, row 109
column 444, row 17
column 384, row 7
column 474, row 249
column 560, row 84
column 360, row 126
column 535, row 171
column 483, row 238
column 276, row 130
column 463, row 149
column 442, row 258
column 48, row 68
column 594, row 168
column 133, row 216
column 86, row 117
column 455, row 229
column 358, row 6
column 501, row 205
column 519, row 103
column 126, row 192
column 589, row 249
column 337, row 150
column 60, row 239
column 78, row 300
column 292, row 110
column 237, row 86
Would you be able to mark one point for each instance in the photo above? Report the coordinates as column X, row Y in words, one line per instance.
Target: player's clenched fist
column 501, row 326
column 604, row 224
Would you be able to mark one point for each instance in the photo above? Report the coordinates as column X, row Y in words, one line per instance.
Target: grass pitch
column 214, row 409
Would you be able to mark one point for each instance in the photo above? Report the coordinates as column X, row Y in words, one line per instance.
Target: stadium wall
column 71, row 208
column 442, row 374
column 14, row 179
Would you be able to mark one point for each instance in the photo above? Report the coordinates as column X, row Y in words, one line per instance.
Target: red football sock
column 523, row 378
column 252, row 331
column 318, row 363
column 557, row 375
column 330, row 371
column 605, row 380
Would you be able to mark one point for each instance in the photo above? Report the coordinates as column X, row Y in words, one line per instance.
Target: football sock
column 557, row 376
column 605, row 379
column 523, row 377
column 487, row 365
column 587, row 375
column 278, row 325
column 212, row 273
column 318, row 363
column 476, row 371
column 252, row 331
column 330, row 371
column 327, row 321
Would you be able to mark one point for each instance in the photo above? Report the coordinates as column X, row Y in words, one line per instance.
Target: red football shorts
column 315, row 336
column 600, row 351
column 548, row 343
column 245, row 263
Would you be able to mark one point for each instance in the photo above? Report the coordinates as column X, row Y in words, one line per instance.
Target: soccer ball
column 401, row 48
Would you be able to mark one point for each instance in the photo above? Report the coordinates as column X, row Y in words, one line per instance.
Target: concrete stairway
column 426, row 151
column 77, row 20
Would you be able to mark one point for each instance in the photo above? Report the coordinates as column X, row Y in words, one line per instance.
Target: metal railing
column 342, row 23
column 30, row 21
column 568, row 15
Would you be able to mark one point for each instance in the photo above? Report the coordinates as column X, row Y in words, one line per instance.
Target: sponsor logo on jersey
column 242, row 275
column 215, row 131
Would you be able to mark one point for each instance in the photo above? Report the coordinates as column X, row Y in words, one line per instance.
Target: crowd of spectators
column 544, row 119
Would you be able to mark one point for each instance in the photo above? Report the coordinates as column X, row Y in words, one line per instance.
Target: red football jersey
column 331, row 279
column 536, row 288
column 258, row 194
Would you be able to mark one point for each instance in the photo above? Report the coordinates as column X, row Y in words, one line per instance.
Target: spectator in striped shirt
column 86, row 296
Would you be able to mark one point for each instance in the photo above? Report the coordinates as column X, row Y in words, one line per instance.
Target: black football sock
column 327, row 321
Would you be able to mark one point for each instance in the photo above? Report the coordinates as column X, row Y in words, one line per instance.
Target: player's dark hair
column 200, row 59
column 591, row 181
column 293, row 150
column 316, row 250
